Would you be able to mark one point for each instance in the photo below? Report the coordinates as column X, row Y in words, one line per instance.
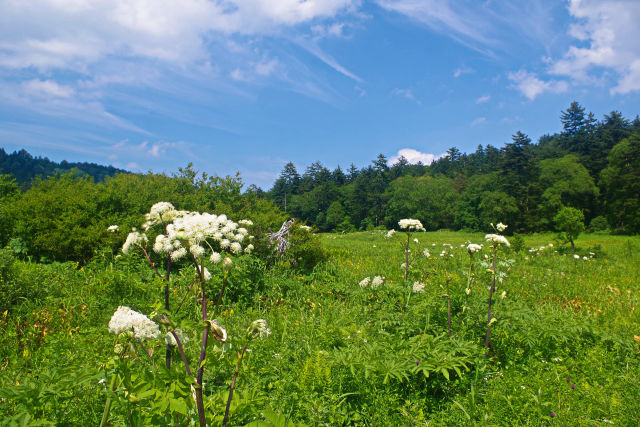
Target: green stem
column 107, row 404
column 233, row 383
column 491, row 290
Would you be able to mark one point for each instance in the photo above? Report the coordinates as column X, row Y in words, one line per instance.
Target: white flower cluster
column 418, row 287
column 497, row 239
column 134, row 238
column 205, row 274
column 411, row 224
column 125, row 319
column 426, row 253
column 171, row 246
column 305, row 227
column 472, row 248
column 390, row 234
column 375, row 282
column 113, row 228
column 258, row 328
column 501, row 227
column 161, row 213
column 195, row 228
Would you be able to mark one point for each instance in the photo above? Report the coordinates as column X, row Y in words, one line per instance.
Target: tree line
column 25, row 168
column 592, row 165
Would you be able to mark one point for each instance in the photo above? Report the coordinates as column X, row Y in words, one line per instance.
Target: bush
column 305, row 250
column 598, row 223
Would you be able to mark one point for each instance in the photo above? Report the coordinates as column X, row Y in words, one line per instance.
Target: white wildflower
column 178, row 254
column 497, row 239
column 245, row 222
column 585, row 258
column 377, row 281
column 426, row 253
column 390, row 233
column 205, row 274
column 576, row 256
column 215, row 257
column 305, row 227
column 161, row 207
column 473, row 248
column 418, row 287
column 134, row 238
column 411, row 224
column 416, row 240
column 364, row 282
column 113, row 228
column 501, row 227
column 196, row 250
column 236, row 248
column 248, row 249
column 125, row 319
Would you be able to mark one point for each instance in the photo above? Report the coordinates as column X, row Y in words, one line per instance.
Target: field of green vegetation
column 342, row 350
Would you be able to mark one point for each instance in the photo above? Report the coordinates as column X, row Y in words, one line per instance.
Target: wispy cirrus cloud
column 406, row 93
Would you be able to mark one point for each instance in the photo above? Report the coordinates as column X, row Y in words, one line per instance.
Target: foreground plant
column 496, row 242
column 198, row 238
column 409, row 226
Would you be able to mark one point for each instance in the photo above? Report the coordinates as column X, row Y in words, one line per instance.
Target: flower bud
column 217, row 331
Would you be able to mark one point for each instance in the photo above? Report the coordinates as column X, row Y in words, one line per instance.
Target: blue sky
column 248, row 85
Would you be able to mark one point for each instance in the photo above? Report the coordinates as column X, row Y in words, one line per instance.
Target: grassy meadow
column 564, row 345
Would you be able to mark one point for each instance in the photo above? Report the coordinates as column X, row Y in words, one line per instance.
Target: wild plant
column 496, row 242
column 409, row 226
column 199, row 239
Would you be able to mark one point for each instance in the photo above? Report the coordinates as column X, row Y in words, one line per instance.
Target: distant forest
column 24, row 167
column 592, row 165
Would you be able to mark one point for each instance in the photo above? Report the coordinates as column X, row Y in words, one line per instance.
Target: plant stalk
column 233, row 384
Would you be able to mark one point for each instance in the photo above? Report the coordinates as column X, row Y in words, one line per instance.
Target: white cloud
column 479, row 121
column 531, row 86
column 483, row 99
column 71, row 34
column 47, row 88
column 462, row 70
column 405, row 93
column 608, row 33
column 461, row 24
column 414, row 156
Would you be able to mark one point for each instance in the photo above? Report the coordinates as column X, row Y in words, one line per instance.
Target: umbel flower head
column 125, row 319
column 497, row 239
column 418, row 287
column 377, row 281
column 411, row 224
column 473, row 248
column 133, row 239
column 258, row 328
